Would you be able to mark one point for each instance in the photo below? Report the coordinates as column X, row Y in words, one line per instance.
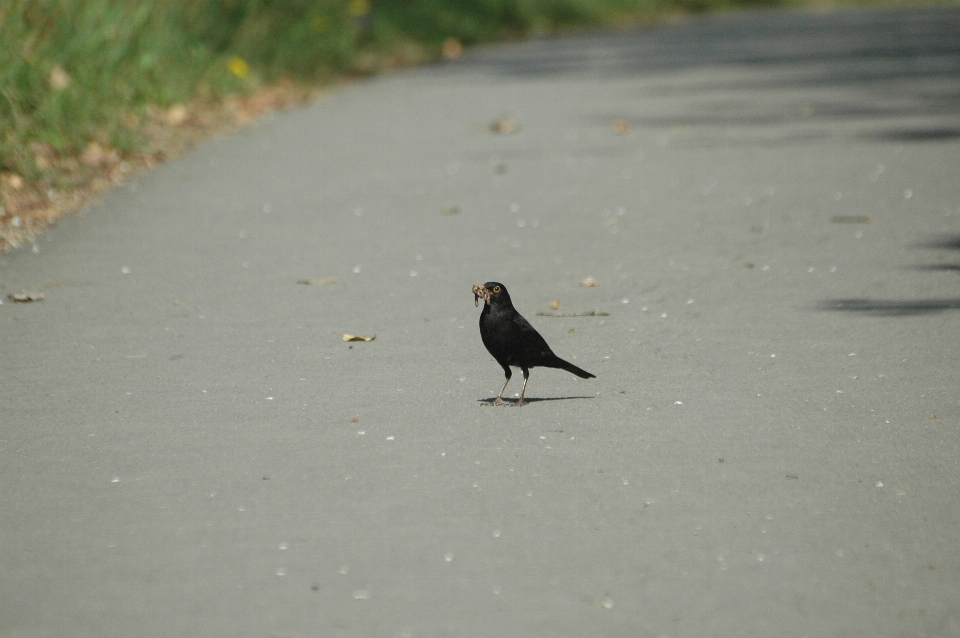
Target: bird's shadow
column 513, row 402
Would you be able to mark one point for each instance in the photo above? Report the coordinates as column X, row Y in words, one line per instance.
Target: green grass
column 77, row 71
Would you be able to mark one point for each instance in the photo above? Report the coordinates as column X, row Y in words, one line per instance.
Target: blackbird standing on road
column 512, row 340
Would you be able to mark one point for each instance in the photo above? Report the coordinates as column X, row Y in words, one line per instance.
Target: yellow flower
column 358, row 8
column 238, row 66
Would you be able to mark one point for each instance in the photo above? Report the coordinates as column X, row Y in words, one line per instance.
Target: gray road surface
column 771, row 445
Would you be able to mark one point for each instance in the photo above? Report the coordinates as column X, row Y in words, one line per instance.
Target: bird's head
column 491, row 292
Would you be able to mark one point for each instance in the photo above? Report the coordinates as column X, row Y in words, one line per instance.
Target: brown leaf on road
column 26, row 297
column 349, row 337
column 504, row 125
column 555, row 304
column 621, row 126
column 588, row 282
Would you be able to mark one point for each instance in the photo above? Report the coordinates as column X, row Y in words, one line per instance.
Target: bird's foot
column 520, row 402
column 497, row 401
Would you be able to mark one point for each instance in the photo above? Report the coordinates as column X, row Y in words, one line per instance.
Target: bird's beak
column 479, row 292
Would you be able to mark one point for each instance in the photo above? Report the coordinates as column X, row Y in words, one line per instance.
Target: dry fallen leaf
column 44, row 154
column 504, row 125
column 555, row 304
column 13, row 180
column 621, row 126
column 588, row 282
column 97, row 155
column 177, row 115
column 319, row 282
column 25, row 297
column 450, row 210
column 349, row 337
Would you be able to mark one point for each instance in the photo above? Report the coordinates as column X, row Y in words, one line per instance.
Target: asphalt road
column 771, row 445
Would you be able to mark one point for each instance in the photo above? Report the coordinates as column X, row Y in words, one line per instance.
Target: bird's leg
column 499, row 399
column 526, row 375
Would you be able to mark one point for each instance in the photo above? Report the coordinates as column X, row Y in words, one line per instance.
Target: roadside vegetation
column 92, row 91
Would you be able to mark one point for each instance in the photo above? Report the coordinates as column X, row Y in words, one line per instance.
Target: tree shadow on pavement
column 906, row 307
column 936, row 134
column 770, row 69
column 892, row 307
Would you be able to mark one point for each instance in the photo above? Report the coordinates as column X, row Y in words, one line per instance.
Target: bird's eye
column 496, row 289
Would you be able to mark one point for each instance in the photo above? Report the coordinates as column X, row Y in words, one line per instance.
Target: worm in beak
column 479, row 292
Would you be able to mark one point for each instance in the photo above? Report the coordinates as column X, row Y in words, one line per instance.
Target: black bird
column 512, row 340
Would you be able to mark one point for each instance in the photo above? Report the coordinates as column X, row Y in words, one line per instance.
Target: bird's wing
column 532, row 347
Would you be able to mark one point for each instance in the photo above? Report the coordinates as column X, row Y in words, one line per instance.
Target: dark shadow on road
column 768, row 69
column 942, row 242
column 906, row 307
column 762, row 39
column 919, row 135
column 891, row 307
column 951, row 267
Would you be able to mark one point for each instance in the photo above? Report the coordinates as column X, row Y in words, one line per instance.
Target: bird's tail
column 569, row 367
